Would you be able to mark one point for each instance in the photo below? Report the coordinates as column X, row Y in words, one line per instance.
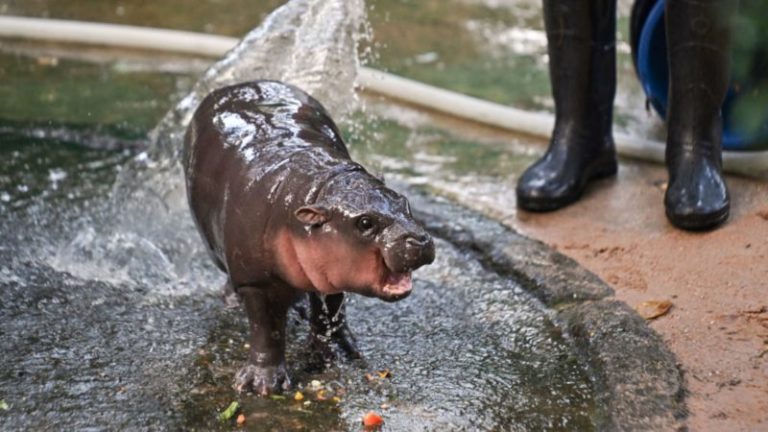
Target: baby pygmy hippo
column 284, row 210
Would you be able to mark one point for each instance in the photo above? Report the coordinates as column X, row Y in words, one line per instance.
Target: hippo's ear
column 312, row 215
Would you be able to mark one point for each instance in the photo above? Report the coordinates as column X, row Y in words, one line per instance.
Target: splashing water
column 308, row 43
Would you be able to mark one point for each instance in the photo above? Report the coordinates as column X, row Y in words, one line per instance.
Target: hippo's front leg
column 265, row 371
column 329, row 324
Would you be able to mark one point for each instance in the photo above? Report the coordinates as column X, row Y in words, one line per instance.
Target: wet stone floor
column 468, row 349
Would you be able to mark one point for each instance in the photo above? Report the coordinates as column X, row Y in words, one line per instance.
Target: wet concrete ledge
column 636, row 378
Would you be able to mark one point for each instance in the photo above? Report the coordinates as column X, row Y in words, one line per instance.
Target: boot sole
column 699, row 222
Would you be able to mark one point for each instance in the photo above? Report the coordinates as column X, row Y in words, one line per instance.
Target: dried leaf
column 653, row 309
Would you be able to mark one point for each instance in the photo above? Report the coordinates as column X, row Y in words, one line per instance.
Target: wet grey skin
column 284, row 211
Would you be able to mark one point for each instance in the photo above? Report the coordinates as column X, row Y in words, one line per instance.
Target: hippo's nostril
column 414, row 242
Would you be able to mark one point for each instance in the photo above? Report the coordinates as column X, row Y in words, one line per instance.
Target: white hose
column 115, row 35
column 414, row 92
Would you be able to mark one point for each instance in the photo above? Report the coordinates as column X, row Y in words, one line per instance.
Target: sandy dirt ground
column 717, row 282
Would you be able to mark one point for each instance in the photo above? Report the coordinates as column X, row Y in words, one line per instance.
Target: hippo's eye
column 365, row 224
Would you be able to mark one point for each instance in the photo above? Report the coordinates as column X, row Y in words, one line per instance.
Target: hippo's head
column 362, row 238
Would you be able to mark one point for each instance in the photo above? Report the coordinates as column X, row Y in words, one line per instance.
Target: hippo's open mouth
column 396, row 286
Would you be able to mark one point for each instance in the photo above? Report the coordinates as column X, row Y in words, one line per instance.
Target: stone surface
column 636, row 377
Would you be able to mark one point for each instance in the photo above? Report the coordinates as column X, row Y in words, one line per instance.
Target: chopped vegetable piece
column 277, row 397
column 372, row 420
column 369, row 377
column 229, row 412
column 298, row 396
column 321, row 395
column 4, row 405
column 241, row 420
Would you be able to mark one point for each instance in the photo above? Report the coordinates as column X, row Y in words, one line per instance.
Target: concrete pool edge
column 637, row 382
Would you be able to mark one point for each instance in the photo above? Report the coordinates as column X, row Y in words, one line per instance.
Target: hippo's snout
column 419, row 250
column 409, row 252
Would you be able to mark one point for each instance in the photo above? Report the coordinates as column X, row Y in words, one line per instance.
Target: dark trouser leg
column 266, row 309
column 602, row 81
column 581, row 45
column 698, row 46
column 329, row 324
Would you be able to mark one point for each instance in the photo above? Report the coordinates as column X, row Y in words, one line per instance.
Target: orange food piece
column 372, row 419
column 241, row 420
column 384, row 373
column 321, row 395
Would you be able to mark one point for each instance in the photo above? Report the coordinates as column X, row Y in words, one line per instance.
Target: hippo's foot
column 262, row 380
column 229, row 296
column 345, row 341
column 328, row 324
column 326, row 349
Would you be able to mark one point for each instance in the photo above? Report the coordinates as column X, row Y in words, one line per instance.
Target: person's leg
column 581, row 43
column 603, row 77
column 698, row 46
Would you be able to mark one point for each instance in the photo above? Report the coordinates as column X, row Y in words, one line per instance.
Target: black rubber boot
column 698, row 47
column 581, row 39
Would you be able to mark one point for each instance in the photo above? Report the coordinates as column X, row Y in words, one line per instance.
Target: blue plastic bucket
column 653, row 70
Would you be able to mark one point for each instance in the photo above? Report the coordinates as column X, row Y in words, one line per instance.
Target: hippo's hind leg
column 266, row 309
column 328, row 324
column 228, row 295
